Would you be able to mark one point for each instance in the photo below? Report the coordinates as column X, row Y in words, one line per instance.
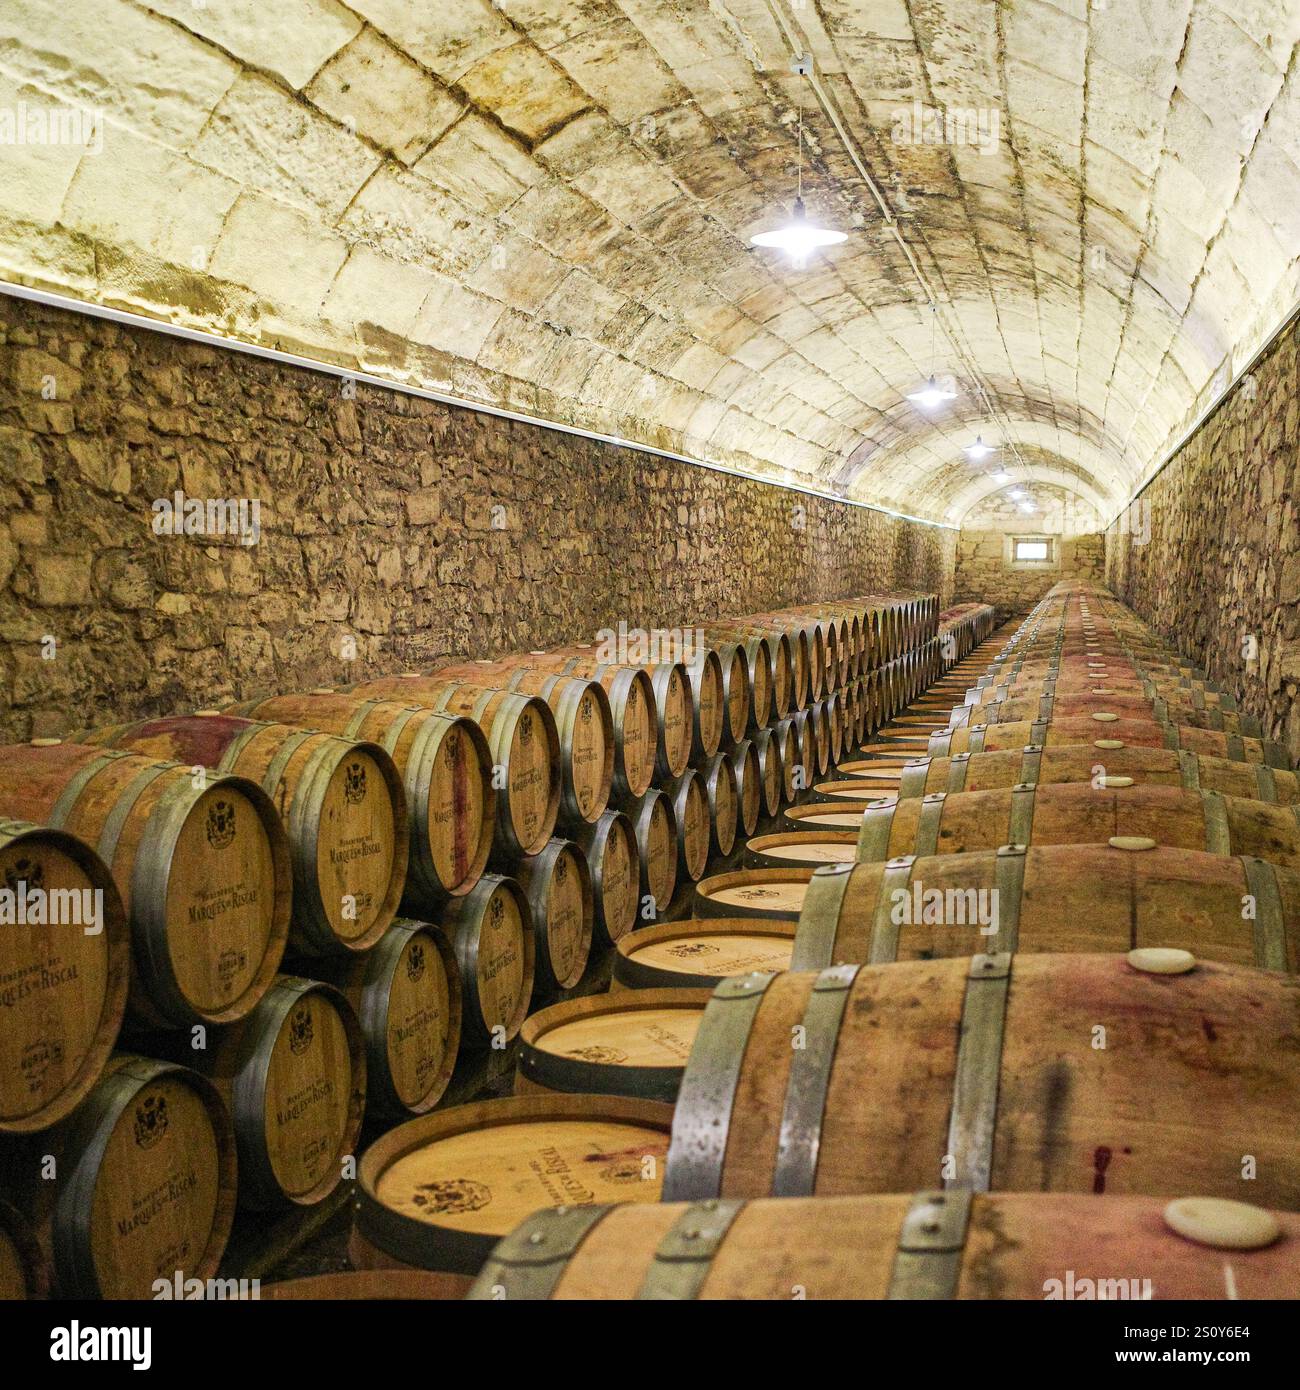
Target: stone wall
column 392, row 530
column 1209, row 554
column 983, row 573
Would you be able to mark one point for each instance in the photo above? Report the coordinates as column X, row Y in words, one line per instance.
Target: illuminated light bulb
column 1001, row 476
column 978, row 450
column 799, row 238
column 931, row 395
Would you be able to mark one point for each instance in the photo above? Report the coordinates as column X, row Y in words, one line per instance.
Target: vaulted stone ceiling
column 546, row 205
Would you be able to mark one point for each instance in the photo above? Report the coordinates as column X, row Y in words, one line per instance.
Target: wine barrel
column 654, row 823
column 747, row 771
column 1126, row 892
column 184, row 852
column 830, row 814
column 760, row 893
column 491, row 931
column 341, row 801
column 772, row 769
column 932, row 1245
column 406, row 994
column 64, row 967
column 623, row 1044
column 797, row 768
column 1101, row 679
column 1048, row 707
column 1083, row 762
column 674, row 704
column 737, row 692
column 525, row 743
column 438, row 1192
column 801, row 847
column 718, row 777
column 612, row 862
column 1025, row 1073
column 24, row 1270
column 771, row 665
column 1078, row 814
column 808, row 644
column 632, row 705
column 700, row 953
column 708, row 686
column 1085, row 728
column 584, row 720
column 293, row 1076
column 690, row 804
column 446, row 767
column 367, row 1285
column 557, row 884
column 143, row 1182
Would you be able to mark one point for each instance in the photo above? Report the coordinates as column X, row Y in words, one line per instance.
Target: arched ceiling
column 546, row 205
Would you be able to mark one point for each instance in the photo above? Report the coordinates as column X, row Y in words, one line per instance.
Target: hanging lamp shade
column 799, row 238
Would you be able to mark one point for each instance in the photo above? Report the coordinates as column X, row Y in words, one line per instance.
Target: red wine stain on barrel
column 1100, row 1162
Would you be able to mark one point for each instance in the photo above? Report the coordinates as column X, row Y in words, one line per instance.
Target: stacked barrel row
column 575, row 1054
column 211, row 853
column 1050, row 1024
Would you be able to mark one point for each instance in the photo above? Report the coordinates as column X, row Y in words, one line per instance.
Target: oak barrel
column 525, row 743
column 584, row 720
column 201, row 863
column 654, row 823
column 406, row 994
column 801, row 847
column 1118, row 895
column 293, row 1076
column 557, row 884
column 1105, row 724
column 698, row 953
column 928, row 1245
column 446, row 767
column 1082, row 762
column 64, row 968
column 491, row 930
column 691, row 811
column 1019, row 1073
column 747, row 771
column 763, row 893
column 142, row 1185
column 341, row 802
column 24, row 1269
column 632, row 707
column 438, row 1192
column 613, row 863
column 1078, row 813
column 629, row 1043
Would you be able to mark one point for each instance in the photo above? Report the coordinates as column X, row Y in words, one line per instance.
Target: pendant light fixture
column 932, row 394
column 979, row 450
column 799, row 238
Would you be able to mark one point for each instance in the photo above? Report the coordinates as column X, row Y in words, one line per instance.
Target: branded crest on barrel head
column 585, row 711
column 415, row 961
column 354, row 783
column 451, row 1196
column 28, row 871
column 301, row 1029
column 526, row 729
column 497, row 911
column 606, row 1056
column 561, row 869
column 221, row 824
column 693, row 948
column 150, row 1121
